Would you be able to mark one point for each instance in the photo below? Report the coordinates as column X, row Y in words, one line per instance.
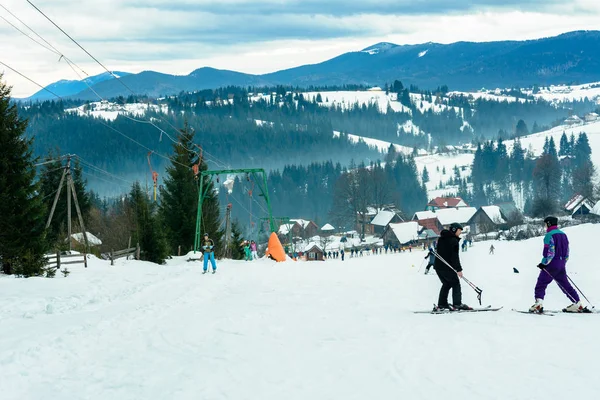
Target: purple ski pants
column 555, row 271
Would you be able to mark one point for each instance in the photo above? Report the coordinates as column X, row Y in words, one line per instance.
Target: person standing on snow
column 431, row 261
column 208, row 248
column 254, row 250
column 247, row 251
column 492, row 249
column 553, row 267
column 448, row 249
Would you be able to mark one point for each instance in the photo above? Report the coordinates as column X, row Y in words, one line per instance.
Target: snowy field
column 298, row 330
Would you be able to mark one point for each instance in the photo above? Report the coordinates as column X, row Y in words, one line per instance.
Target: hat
column 551, row 221
column 206, row 234
column 455, row 226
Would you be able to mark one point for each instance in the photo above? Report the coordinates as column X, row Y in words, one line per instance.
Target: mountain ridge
column 563, row 59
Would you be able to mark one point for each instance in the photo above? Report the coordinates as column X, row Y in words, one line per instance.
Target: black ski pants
column 449, row 281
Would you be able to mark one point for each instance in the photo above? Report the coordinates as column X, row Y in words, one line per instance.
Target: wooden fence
column 132, row 251
column 58, row 260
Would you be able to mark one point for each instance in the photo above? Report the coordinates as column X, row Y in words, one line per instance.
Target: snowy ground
column 322, row 330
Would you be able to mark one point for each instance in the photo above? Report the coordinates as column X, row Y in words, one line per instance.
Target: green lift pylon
column 202, row 194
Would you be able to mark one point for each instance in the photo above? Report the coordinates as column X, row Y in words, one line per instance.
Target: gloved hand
column 541, row 266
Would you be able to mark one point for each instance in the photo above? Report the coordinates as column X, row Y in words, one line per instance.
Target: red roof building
column 446, row 202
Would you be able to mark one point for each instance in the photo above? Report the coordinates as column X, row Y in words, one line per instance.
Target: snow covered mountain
column 300, row 330
column 571, row 57
column 66, row 88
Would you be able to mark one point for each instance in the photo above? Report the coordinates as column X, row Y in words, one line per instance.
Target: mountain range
column 568, row 58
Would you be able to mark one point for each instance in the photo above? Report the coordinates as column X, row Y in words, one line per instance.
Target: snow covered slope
column 536, row 141
column 320, row 330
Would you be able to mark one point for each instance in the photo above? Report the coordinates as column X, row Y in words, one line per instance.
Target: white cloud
column 257, row 36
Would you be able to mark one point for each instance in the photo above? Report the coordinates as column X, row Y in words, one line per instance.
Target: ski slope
column 298, row 330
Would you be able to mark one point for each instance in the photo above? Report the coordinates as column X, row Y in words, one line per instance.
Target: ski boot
column 538, row 307
column 460, row 307
column 575, row 308
column 441, row 308
column 214, row 270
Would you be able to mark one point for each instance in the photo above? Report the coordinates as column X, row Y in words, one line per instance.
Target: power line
column 53, row 49
column 80, row 46
column 113, row 75
column 30, row 80
column 24, row 34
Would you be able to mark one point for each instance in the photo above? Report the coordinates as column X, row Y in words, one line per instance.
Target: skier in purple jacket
column 553, row 267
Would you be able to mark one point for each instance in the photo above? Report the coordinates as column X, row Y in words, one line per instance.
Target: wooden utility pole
column 71, row 192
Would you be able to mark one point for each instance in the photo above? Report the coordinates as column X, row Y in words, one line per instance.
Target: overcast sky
column 178, row 36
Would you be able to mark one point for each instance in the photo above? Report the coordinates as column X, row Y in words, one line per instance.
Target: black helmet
column 551, row 221
column 455, row 226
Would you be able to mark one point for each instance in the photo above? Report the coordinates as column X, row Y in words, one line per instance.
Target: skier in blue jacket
column 208, row 248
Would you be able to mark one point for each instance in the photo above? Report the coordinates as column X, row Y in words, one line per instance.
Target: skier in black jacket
column 448, row 249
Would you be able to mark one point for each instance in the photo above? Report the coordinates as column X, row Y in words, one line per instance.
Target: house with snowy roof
column 383, row 219
column 573, row 120
column 462, row 215
column 402, row 233
column 591, row 117
column 314, row 252
column 494, row 218
column 327, row 229
column 299, row 228
column 445, row 202
column 78, row 241
column 579, row 205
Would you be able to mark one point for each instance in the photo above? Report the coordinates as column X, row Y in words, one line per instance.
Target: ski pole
column 579, row 290
column 475, row 288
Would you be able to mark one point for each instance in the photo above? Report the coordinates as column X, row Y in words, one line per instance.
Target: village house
column 573, row 120
column 383, row 219
column 313, row 252
column 462, row 215
column 299, row 228
column 327, row 230
column 401, row 234
column 494, row 218
column 591, row 117
column 445, row 202
column 579, row 205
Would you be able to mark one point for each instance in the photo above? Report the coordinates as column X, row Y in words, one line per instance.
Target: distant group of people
column 335, row 254
column 250, row 250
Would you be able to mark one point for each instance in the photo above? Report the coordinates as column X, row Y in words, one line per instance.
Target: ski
column 588, row 311
column 547, row 313
column 446, row 311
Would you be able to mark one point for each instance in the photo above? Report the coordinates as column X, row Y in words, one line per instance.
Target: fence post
column 179, row 250
column 85, row 259
column 137, row 251
column 58, row 260
column 112, row 258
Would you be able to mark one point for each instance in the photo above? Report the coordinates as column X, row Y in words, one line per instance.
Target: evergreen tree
column 237, row 251
column 547, row 181
column 564, row 145
column 22, row 234
column 521, row 129
column 425, row 176
column 148, row 232
column 180, row 198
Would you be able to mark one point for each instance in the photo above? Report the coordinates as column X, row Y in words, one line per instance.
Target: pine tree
column 22, row 234
column 180, row 198
column 521, row 129
column 147, row 232
column 564, row 145
column 237, row 251
column 425, row 176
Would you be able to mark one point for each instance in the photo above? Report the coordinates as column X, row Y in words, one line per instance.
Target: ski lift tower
column 250, row 172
